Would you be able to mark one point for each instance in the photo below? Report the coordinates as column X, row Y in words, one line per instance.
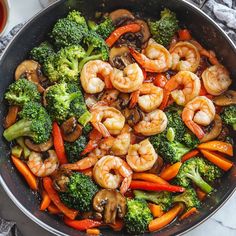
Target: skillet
column 36, row 30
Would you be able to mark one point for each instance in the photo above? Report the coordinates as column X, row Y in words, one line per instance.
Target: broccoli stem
column 20, row 128
column 85, row 118
column 198, row 180
column 86, row 59
column 234, row 126
column 143, row 195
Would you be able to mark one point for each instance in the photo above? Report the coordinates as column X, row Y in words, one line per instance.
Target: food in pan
column 121, row 122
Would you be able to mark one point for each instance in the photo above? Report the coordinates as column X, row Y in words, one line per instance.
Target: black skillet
column 204, row 30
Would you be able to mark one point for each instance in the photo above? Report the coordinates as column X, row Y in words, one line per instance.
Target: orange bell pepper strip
column 189, row 155
column 200, row 194
column 48, row 186
column 143, row 185
column 134, row 99
column 170, row 172
column 188, row 213
column 184, row 35
column 219, row 146
column 149, row 177
column 53, row 209
column 156, row 210
column 118, row 225
column 45, row 201
column 216, row 159
column 93, row 231
column 30, row 178
column 82, row 224
column 59, row 144
column 117, row 33
column 165, row 219
column 160, row 80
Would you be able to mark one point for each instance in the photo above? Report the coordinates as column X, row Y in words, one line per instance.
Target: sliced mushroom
column 226, row 99
column 215, row 130
column 31, row 70
column 133, row 116
column 71, row 130
column 156, row 169
column 120, row 57
column 61, row 177
column 111, row 203
column 42, row 147
column 120, row 16
column 110, row 96
column 122, row 102
column 144, row 30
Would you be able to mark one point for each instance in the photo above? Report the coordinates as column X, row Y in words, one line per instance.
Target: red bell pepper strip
column 143, row 185
column 184, row 35
column 82, row 224
column 59, row 144
column 117, row 33
column 53, row 195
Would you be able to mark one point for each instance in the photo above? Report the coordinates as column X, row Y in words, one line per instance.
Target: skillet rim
column 45, row 225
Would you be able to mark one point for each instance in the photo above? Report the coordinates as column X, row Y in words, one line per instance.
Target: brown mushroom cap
column 133, row 116
column 42, row 147
column 111, row 203
column 71, row 130
column 226, row 99
column 60, row 179
column 119, row 16
column 144, row 30
column 31, row 70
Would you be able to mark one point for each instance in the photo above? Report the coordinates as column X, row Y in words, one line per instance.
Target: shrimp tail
column 102, row 129
column 125, row 184
column 166, row 95
column 108, row 83
column 134, row 99
column 196, row 129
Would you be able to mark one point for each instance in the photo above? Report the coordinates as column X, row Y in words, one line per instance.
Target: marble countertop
column 221, row 223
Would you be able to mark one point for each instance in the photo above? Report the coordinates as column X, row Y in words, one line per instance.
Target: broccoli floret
column 66, row 33
column 105, row 28
column 171, row 152
column 189, row 198
column 34, row 123
column 77, row 18
column 21, row 92
column 190, row 171
column 66, row 100
column 229, row 116
column 138, row 216
column 190, row 140
column 73, row 150
column 42, row 52
column 80, row 192
column 164, row 199
column 86, row 130
column 164, row 29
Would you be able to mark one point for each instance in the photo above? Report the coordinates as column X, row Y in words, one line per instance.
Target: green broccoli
column 190, row 140
column 138, row 216
column 34, row 123
column 73, row 150
column 190, row 171
column 80, row 192
column 86, row 130
column 229, row 116
column 42, row 52
column 164, row 29
column 189, row 198
column 105, row 28
column 66, row 100
column 21, row 92
column 76, row 17
column 164, row 198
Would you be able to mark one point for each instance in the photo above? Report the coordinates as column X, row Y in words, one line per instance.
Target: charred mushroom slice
column 120, row 16
column 71, row 130
column 111, row 203
column 133, row 116
column 120, row 57
column 61, row 177
column 144, row 30
column 42, row 147
column 226, row 99
column 31, row 70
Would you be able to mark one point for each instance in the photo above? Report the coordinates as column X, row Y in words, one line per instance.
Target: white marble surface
column 222, row 223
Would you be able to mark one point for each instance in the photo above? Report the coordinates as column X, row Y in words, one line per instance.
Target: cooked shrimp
column 183, row 87
column 155, row 57
column 42, row 168
column 142, row 156
column 199, row 111
column 121, row 143
column 110, row 96
column 150, row 97
column 102, row 173
column 93, row 74
column 216, row 79
column 107, row 120
column 153, row 123
column 185, row 56
column 128, row 80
